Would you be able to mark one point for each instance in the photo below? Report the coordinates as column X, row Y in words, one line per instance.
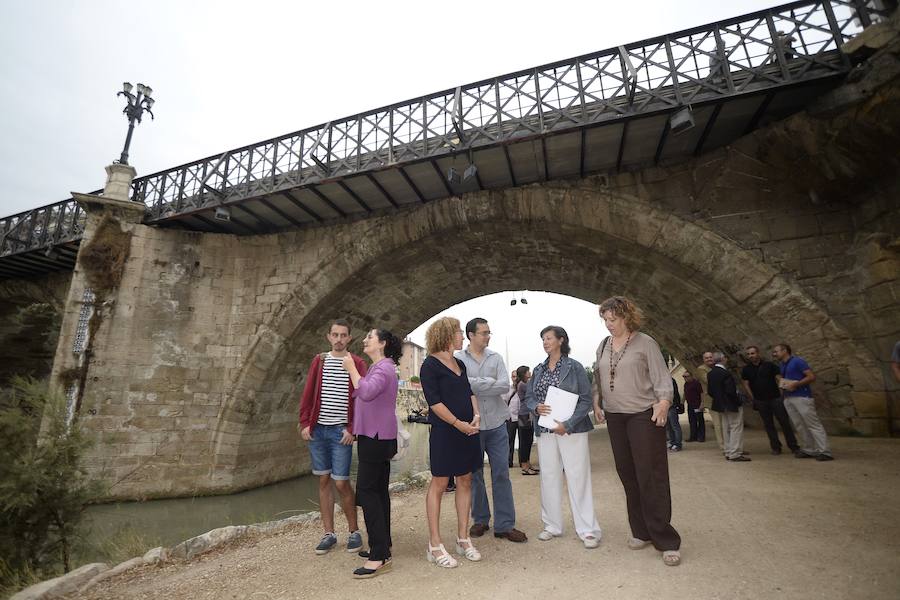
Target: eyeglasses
column 484, row 333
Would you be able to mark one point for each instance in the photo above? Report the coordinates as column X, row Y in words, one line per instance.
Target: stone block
column 881, row 296
column 67, row 584
column 784, row 228
column 883, row 271
column 877, row 427
column 870, row 404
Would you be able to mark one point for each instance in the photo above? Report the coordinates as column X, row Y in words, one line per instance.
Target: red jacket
column 311, row 400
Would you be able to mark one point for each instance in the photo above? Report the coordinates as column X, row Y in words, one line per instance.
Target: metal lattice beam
column 752, row 54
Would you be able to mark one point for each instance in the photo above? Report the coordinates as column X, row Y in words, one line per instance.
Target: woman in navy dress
column 454, row 445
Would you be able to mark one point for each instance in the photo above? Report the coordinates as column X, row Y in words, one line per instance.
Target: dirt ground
column 776, row 527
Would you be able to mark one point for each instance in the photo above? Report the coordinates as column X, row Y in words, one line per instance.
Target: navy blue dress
column 452, row 452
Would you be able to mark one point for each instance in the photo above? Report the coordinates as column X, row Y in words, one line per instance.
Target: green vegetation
column 43, row 486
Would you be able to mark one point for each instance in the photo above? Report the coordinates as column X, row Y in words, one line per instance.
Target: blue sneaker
column 354, row 542
column 327, row 543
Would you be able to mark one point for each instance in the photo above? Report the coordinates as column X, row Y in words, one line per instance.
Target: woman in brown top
column 633, row 383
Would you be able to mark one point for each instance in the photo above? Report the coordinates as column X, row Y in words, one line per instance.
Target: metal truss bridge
column 616, row 109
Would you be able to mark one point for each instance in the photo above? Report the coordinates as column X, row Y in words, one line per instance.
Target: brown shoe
column 478, row 529
column 513, row 535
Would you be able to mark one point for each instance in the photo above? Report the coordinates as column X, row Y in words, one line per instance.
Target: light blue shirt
column 490, row 384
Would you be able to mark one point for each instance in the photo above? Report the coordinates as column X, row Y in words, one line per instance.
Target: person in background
column 692, row 396
column 760, row 379
column 674, row 436
column 726, row 402
column 632, row 394
column 895, row 361
column 375, row 428
column 512, row 425
column 526, row 423
column 794, row 379
column 714, row 415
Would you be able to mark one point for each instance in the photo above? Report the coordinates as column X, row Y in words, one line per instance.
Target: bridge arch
column 698, row 288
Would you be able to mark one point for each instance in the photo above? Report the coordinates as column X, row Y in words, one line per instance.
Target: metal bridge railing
column 780, row 46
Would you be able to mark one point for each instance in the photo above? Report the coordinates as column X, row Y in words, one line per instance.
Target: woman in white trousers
column 563, row 448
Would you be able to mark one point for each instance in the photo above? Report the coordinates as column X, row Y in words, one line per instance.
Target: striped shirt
column 335, row 392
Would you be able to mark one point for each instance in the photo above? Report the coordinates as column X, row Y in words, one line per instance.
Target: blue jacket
column 572, row 378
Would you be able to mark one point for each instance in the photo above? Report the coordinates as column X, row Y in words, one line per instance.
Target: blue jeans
column 496, row 443
column 673, row 428
column 328, row 454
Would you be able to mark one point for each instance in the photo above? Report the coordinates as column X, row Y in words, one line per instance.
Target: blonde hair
column 440, row 334
column 623, row 308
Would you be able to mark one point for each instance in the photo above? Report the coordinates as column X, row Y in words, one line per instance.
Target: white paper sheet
column 562, row 404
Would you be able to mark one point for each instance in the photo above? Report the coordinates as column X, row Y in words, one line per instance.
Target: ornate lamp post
column 137, row 104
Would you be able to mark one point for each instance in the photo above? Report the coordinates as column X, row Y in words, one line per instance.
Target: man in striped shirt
column 326, row 420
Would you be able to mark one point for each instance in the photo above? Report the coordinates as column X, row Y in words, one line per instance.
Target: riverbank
column 773, row 527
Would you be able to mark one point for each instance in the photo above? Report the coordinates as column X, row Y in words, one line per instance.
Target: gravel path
column 774, row 527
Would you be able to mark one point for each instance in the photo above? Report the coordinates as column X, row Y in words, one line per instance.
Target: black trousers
column 697, row 423
column 639, row 449
column 372, row 477
column 769, row 410
column 511, row 428
column 526, row 439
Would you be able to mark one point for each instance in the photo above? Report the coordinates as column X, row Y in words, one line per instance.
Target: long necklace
column 613, row 365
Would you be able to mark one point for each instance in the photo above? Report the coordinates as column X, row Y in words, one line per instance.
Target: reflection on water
column 167, row 522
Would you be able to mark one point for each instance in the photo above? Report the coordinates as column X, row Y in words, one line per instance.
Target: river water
column 166, row 522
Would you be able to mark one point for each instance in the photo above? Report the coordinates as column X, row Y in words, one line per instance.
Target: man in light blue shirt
column 490, row 383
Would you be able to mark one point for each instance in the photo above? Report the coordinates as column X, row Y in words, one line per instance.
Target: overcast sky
column 226, row 74
column 516, row 330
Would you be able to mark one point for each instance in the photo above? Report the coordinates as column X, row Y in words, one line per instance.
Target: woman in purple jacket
column 375, row 428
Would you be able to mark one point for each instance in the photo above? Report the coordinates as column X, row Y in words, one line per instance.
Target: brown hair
column 624, row 308
column 339, row 323
column 439, row 336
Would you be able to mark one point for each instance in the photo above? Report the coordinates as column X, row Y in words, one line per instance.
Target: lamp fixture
column 137, row 105
column 681, row 121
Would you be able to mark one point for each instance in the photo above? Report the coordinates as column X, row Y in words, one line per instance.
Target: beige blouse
column 642, row 377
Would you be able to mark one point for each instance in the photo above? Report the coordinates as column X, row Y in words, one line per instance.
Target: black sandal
column 364, row 573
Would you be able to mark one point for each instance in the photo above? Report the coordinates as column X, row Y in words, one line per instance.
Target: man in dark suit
column 723, row 389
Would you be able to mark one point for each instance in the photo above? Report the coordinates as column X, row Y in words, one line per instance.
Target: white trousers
column 733, row 432
column 567, row 454
column 805, row 419
column 716, row 418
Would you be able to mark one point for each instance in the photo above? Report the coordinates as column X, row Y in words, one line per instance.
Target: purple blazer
column 375, row 402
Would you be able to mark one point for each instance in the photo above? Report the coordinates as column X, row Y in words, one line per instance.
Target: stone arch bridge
column 185, row 350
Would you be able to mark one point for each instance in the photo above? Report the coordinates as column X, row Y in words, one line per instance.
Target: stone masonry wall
column 198, row 365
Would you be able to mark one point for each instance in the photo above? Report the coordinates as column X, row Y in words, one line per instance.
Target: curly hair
column 624, row 308
column 439, row 336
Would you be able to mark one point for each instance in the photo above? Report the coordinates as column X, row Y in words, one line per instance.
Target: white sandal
column 471, row 552
column 637, row 543
column 671, row 558
column 443, row 559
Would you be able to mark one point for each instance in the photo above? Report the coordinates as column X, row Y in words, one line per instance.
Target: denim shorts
column 329, row 455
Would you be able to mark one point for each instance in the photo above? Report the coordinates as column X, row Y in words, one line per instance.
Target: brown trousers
column 639, row 449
